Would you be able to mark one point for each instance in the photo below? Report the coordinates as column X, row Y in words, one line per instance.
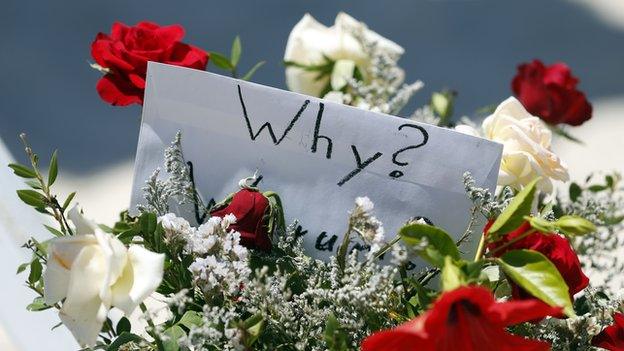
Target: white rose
column 308, row 43
column 526, row 147
column 93, row 271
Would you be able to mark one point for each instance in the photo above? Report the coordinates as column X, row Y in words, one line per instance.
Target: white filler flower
column 311, row 42
column 93, row 271
column 526, row 147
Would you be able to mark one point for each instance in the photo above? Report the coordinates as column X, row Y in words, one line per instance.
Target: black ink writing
column 317, row 136
column 267, row 125
column 328, row 245
column 398, row 173
column 359, row 164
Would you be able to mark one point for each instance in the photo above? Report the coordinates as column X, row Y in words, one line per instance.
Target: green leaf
column 574, row 191
column 236, row 51
column 68, row 201
column 253, row 70
column 575, row 225
column 514, row 214
column 32, row 198
column 53, row 171
column 173, row 334
column 452, row 276
column 221, row 61
column 123, row 339
column 597, row 188
column 253, row 326
column 37, row 305
column 22, row 267
column 53, row 230
column 22, row 171
column 148, row 222
column 33, row 183
column 191, row 319
column 335, row 338
column 123, row 326
column 439, row 243
column 35, row 271
column 536, row 274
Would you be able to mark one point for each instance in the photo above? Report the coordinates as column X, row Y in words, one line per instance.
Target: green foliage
column 123, row 326
column 230, row 64
column 335, row 338
column 123, row 339
column 536, row 274
column 514, row 214
column 172, row 340
column 438, row 243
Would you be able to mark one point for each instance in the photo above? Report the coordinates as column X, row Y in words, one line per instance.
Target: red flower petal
column 467, row 318
column 116, row 91
column 612, row 337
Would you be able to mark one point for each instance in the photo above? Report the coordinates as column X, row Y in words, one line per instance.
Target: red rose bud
column 249, row 207
column 612, row 337
column 467, row 318
column 554, row 246
column 125, row 53
column 550, row 93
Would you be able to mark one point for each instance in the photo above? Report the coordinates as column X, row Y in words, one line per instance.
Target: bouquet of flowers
column 241, row 279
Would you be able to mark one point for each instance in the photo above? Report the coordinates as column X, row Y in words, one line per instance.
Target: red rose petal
column 116, row 91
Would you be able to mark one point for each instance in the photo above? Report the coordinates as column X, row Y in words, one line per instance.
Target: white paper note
column 318, row 155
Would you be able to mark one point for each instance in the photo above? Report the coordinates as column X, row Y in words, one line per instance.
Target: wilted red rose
column 125, row 53
column 554, row 246
column 550, row 93
column 467, row 318
column 612, row 337
column 249, row 207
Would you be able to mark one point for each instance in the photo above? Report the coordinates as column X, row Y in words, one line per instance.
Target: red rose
column 125, row 53
column 555, row 247
column 612, row 337
column 467, row 318
column 550, row 93
column 249, row 207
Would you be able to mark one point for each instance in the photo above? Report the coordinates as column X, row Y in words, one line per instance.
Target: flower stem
column 480, row 248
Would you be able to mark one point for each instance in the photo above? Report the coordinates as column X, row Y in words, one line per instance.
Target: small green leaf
column 597, row 188
column 148, row 222
column 123, row 326
column 173, row 334
column 191, row 319
column 575, row 225
column 253, row 70
column 335, row 337
column 53, row 230
column 22, row 171
column 452, row 276
column 68, row 201
column 518, row 208
column 439, row 243
column 221, row 61
column 253, row 326
column 35, row 271
column 32, row 198
column 37, row 305
column 236, row 51
column 22, row 267
column 541, row 224
column 123, row 339
column 574, row 191
column 536, row 274
column 33, row 183
column 53, row 171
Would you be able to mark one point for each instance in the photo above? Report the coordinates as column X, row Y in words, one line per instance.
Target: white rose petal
column 310, row 42
column 94, row 272
column 526, row 147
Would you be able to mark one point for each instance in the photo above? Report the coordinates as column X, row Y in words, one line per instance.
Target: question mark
column 397, row 173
